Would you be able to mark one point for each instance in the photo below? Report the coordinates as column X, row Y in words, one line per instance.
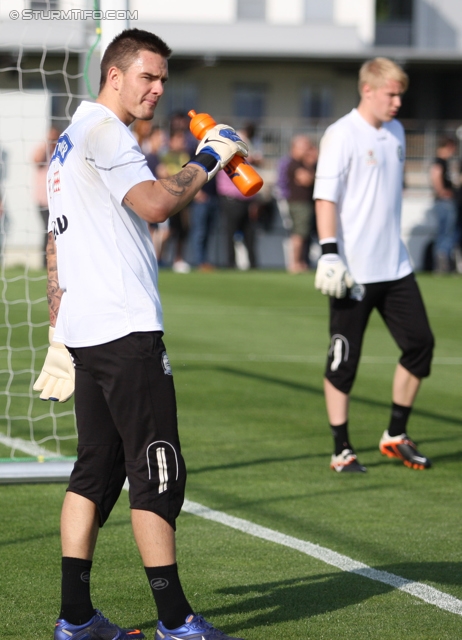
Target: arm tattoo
column 54, row 293
column 178, row 184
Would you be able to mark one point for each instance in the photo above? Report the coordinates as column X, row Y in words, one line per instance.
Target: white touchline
column 417, row 589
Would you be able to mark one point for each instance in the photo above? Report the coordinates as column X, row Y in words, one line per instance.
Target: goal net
column 46, row 68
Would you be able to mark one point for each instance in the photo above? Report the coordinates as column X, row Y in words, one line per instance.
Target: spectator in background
column 141, row 129
column 282, row 179
column 249, row 133
column 41, row 159
column 204, row 213
column 157, row 146
column 172, row 163
column 300, row 180
column 179, row 121
column 458, row 247
column 281, row 192
column 444, row 206
column 240, row 214
column 240, row 217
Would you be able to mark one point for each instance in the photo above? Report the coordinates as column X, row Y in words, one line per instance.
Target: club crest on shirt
column 371, row 160
column 400, row 152
column 166, row 364
column 357, row 292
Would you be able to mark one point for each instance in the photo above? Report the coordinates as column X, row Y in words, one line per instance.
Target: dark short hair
column 122, row 51
column 446, row 141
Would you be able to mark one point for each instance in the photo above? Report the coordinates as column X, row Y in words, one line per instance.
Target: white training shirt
column 360, row 168
column 106, row 262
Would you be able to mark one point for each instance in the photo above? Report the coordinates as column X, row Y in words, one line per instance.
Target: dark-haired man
column 105, row 307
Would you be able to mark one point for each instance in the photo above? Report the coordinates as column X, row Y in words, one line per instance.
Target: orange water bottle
column 238, row 169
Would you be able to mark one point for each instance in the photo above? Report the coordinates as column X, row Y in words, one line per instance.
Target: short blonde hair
column 376, row 72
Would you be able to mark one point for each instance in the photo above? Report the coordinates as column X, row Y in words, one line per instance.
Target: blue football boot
column 98, row 628
column 194, row 628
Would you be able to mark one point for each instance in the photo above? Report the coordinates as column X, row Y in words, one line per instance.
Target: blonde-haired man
column 364, row 263
column 376, row 72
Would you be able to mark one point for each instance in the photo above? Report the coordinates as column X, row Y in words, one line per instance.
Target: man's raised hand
column 219, row 145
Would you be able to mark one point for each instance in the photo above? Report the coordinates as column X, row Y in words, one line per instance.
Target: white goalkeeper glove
column 332, row 277
column 57, row 379
column 219, row 145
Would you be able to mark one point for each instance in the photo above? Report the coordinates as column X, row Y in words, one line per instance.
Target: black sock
column 172, row 606
column 398, row 419
column 76, row 606
column 341, row 441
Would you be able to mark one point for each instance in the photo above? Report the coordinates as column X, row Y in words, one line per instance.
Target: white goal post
column 46, row 68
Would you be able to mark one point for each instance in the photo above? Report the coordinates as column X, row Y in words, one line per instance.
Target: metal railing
column 421, row 142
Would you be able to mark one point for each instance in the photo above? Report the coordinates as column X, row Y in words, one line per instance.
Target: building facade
column 291, row 60
column 286, row 65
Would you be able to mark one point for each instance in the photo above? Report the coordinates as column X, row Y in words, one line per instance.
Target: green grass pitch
column 247, row 352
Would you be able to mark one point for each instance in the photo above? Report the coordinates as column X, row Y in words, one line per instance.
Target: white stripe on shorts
column 163, row 473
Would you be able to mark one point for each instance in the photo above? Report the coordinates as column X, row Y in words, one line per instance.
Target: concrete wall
column 284, row 82
column 438, row 24
column 340, row 25
column 185, row 11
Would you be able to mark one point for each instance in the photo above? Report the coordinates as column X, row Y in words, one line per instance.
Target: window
column 249, row 100
column 393, row 10
column 251, row 9
column 44, row 5
column 393, row 24
column 181, row 97
column 317, row 102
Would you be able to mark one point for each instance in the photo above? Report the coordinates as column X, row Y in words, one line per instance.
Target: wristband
column 329, row 247
column 205, row 160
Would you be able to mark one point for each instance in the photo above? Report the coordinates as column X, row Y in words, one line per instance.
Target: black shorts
column 125, row 407
column 401, row 306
